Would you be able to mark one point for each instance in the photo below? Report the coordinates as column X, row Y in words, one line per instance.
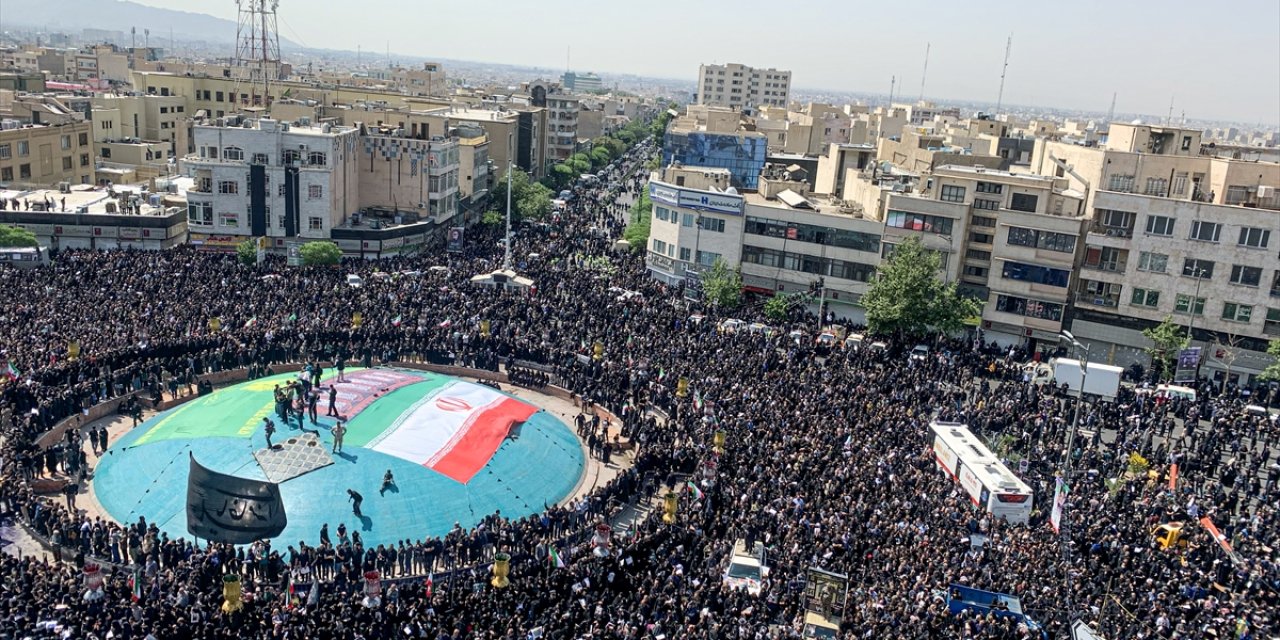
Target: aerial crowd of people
column 826, row 460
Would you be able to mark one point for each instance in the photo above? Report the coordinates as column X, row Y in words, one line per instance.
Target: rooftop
column 118, row 200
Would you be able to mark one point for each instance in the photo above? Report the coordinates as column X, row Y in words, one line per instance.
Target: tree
column 908, row 297
column 493, row 219
column 722, row 285
column 529, row 199
column 17, row 237
column 320, row 252
column 637, row 232
column 247, row 252
column 562, row 175
column 1167, row 339
column 1227, row 353
column 775, row 308
column 600, row 157
column 1272, row 372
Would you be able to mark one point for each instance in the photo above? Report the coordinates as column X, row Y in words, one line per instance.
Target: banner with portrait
column 455, row 239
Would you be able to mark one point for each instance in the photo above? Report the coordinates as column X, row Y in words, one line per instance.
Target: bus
column 986, row 480
column 24, row 257
column 961, row 598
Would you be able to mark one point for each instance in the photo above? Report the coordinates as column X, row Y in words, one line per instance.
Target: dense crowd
column 826, row 461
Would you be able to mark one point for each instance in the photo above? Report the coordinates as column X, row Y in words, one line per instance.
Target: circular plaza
column 456, row 450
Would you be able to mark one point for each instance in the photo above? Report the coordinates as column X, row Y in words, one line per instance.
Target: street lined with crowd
column 826, row 461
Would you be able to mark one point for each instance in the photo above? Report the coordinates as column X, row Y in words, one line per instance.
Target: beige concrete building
column 743, row 88
column 921, row 152
column 43, row 143
column 137, row 118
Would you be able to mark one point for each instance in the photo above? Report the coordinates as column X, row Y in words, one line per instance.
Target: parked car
column 746, row 569
column 919, row 353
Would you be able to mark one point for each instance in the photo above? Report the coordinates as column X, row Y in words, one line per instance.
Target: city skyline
column 1056, row 61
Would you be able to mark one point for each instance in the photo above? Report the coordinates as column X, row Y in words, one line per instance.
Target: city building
column 270, row 178
column 142, row 133
column 43, row 143
column 743, row 88
column 562, row 126
column 581, row 82
column 150, row 217
column 697, row 218
column 1210, row 268
column 716, row 137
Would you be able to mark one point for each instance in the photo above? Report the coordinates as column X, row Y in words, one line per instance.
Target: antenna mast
column 257, row 49
column 925, row 73
column 1000, row 97
column 1111, row 113
column 893, row 82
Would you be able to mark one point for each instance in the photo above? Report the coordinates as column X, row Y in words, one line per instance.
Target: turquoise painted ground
column 145, row 472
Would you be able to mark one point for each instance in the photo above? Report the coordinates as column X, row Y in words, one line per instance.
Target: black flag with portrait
column 224, row 508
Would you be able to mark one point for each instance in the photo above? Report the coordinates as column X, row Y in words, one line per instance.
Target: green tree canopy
column 247, row 252
column 1167, row 339
column 722, row 285
column 907, row 295
column 529, row 200
column 17, row 237
column 637, row 232
column 1272, row 372
column 493, row 219
column 320, row 252
column 775, row 308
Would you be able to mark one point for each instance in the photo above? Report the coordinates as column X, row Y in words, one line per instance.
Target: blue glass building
column 742, row 153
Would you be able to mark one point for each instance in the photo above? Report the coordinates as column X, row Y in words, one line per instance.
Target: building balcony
column 1111, row 232
column 1108, row 301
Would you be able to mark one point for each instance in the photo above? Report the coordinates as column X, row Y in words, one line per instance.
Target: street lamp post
column 1066, row 461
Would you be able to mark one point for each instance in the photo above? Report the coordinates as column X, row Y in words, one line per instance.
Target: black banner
column 225, row 508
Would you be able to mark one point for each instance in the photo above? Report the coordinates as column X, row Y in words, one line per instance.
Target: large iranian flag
column 453, row 430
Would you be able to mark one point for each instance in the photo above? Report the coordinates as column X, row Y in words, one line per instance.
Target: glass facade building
column 742, row 154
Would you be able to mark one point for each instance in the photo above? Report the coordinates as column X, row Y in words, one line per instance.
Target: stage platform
column 445, row 440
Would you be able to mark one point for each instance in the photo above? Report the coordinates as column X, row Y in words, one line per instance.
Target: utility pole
column 506, row 258
column 893, row 81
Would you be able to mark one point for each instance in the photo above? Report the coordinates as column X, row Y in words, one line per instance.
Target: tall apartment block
column 741, row 87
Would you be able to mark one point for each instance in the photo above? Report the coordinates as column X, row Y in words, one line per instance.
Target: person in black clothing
column 355, row 499
column 333, row 402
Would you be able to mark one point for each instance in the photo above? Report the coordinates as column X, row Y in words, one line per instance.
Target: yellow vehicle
column 818, row 626
column 1169, row 535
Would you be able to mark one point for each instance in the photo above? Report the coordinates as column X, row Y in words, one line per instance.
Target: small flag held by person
column 10, row 372
column 693, row 488
column 395, row 322
column 554, row 558
column 135, row 584
column 430, row 590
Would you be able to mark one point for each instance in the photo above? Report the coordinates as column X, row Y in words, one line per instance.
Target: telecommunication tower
column 257, row 61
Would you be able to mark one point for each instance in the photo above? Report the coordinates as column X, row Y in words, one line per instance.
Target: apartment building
column 142, row 133
column 43, row 143
column 408, row 178
column 743, row 88
column 269, row 178
column 562, row 126
column 1214, row 269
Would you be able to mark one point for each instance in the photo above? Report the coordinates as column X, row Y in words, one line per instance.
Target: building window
column 986, row 205
column 1196, row 268
column 84, row 139
column 24, row 148
column 67, row 163
column 919, row 222
column 315, row 191
column 84, row 159
column 1048, row 240
column 1254, row 237
column 229, row 219
column 1236, row 312
column 1183, row 303
column 1275, row 284
column 66, row 142
column 1245, row 275
column 1237, row 194
column 977, row 254
column 1145, row 298
column 1156, row 186
column 291, row 157
column 707, row 258
column 952, row 193
column 1029, row 308
column 1271, row 326
column 259, row 158
column 711, row 224
column 989, row 187
column 983, row 221
column 1160, row 225
column 1205, row 231
column 685, row 254
column 1024, row 202
column 659, row 246
column 1111, row 219
column 6, row 174
column 662, row 214
column 6, row 151
column 233, row 153
column 1123, row 184
column 1153, row 262
column 1035, row 274
column 1106, row 258
column 24, row 172
column 316, row 159
column 200, row 212
column 315, row 223
column 1102, row 294
column 230, row 187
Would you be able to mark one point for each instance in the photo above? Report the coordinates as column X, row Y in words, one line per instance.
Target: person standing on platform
column 269, row 428
column 339, row 430
column 333, row 401
column 313, row 399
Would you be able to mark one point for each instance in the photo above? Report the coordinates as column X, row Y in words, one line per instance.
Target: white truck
column 1103, row 379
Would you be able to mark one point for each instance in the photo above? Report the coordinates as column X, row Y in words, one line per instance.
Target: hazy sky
column 1219, row 60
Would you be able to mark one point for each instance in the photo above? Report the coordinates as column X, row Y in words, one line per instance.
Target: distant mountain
column 116, row 15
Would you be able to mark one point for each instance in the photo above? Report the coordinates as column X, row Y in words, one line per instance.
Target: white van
column 354, row 281
column 854, row 341
column 747, row 569
column 1175, row 392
